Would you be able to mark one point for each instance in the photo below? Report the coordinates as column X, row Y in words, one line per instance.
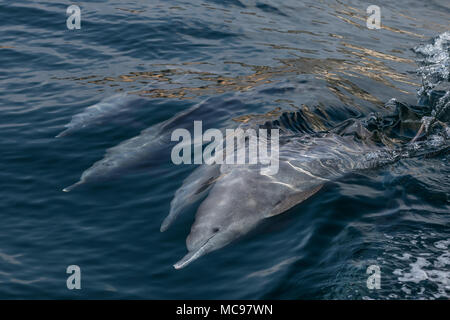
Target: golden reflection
column 425, row 24
column 131, row 10
column 336, row 72
column 360, row 15
column 181, row 81
column 377, row 54
column 273, row 114
column 292, row 31
column 312, row 119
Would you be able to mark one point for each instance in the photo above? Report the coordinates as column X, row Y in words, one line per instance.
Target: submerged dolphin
column 194, row 187
column 153, row 145
column 99, row 113
column 240, row 196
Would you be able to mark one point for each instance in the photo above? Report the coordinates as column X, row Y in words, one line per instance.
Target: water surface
column 271, row 56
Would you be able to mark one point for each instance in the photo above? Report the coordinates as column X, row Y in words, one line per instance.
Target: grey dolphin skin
column 194, row 187
column 99, row 113
column 240, row 196
column 236, row 204
column 153, row 145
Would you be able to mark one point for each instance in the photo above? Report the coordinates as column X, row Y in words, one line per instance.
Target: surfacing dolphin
column 241, row 197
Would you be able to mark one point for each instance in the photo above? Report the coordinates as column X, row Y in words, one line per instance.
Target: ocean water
column 248, row 59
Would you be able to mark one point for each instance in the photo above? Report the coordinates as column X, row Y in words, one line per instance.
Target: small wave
column 429, row 266
column 434, row 62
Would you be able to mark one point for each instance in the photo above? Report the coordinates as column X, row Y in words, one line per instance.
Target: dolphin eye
column 215, row 230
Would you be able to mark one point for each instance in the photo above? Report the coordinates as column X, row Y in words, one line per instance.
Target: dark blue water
column 317, row 57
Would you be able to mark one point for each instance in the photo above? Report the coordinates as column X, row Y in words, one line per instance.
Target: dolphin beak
column 165, row 225
column 62, row 134
column 187, row 259
column 72, row 186
column 173, row 214
column 193, row 255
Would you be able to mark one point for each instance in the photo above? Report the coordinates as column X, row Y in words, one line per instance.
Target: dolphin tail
column 70, row 188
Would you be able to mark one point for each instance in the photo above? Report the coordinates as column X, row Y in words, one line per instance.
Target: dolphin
column 99, row 113
column 235, row 205
column 128, row 154
column 195, row 186
column 240, row 197
column 153, row 145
